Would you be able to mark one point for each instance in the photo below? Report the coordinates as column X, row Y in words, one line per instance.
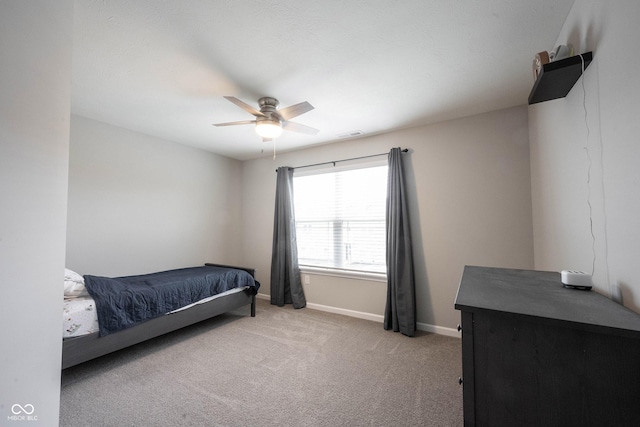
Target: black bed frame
column 86, row 347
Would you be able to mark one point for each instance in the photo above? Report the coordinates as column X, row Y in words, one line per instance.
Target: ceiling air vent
column 350, row 134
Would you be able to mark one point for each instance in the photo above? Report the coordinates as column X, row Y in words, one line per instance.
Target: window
column 340, row 219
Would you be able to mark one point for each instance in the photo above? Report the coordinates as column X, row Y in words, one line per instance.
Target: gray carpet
column 284, row 367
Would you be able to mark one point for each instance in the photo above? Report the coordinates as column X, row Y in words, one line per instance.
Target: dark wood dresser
column 537, row 354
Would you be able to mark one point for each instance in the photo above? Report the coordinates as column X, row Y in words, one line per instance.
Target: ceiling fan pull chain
column 274, row 148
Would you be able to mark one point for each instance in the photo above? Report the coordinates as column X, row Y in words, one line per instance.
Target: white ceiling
column 162, row 67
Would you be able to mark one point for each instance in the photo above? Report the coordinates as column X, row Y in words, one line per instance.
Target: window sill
column 358, row 275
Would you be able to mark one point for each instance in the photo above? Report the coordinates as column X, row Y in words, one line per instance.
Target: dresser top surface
column 540, row 294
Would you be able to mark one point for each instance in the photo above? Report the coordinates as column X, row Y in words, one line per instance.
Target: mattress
column 79, row 316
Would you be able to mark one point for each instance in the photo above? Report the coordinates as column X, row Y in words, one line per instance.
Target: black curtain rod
column 345, row 160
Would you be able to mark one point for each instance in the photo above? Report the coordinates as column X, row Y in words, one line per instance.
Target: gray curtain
column 400, row 311
column 286, row 286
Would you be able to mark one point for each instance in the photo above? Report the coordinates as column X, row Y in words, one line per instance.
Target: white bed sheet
column 79, row 316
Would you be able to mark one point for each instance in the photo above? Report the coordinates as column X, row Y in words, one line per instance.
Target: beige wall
column 578, row 160
column 139, row 204
column 469, row 182
column 35, row 87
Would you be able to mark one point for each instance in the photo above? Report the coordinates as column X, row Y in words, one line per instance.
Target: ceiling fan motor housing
column 268, row 106
column 268, row 102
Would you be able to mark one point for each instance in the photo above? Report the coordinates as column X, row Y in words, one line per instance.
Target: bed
column 84, row 338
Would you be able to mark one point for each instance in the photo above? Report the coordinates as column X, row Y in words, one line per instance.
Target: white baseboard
column 346, row 312
column 440, row 330
column 450, row 332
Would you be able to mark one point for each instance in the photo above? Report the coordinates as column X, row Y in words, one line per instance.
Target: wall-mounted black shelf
column 557, row 78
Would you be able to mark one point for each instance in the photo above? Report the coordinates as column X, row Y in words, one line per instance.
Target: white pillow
column 73, row 276
column 73, row 284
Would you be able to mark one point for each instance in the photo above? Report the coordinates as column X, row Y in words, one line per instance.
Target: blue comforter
column 122, row 302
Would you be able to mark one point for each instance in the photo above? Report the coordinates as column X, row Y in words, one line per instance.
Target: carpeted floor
column 284, row 367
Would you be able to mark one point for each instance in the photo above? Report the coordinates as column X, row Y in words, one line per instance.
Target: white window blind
column 340, row 219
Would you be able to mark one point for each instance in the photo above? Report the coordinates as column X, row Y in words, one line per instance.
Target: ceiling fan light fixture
column 269, row 129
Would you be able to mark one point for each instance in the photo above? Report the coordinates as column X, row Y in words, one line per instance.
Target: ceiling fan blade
column 294, row 110
column 297, row 127
column 248, row 108
column 243, row 122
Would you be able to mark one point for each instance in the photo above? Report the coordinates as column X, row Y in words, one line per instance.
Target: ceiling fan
column 270, row 120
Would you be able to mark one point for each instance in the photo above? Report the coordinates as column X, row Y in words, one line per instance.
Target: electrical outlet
column 306, row 279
